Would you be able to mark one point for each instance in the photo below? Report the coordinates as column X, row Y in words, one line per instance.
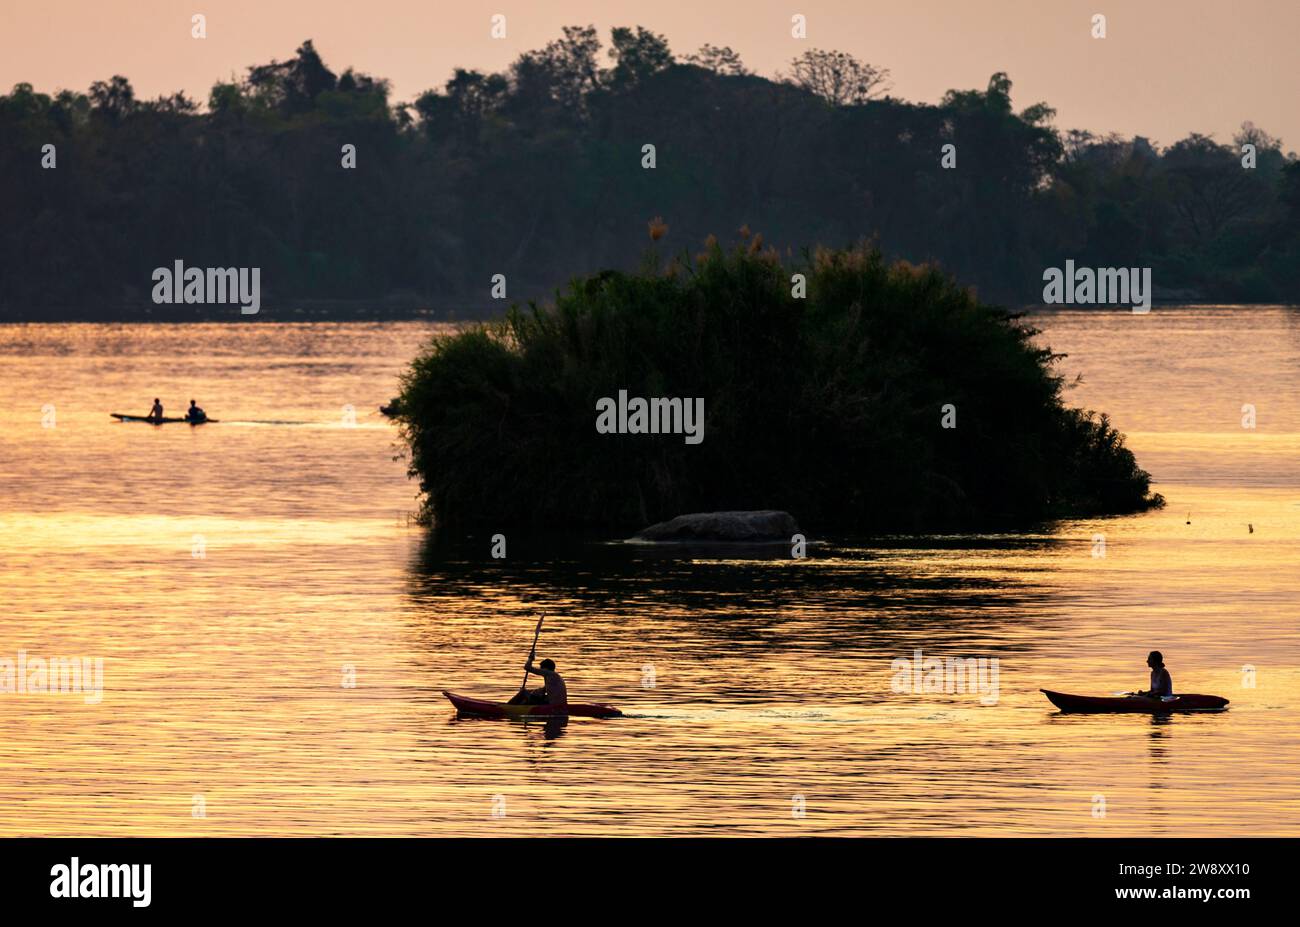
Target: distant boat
column 155, row 421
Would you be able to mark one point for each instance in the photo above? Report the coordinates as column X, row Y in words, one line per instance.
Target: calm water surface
column 750, row 686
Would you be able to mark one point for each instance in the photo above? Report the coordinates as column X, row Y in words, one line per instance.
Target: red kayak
column 474, row 706
column 1091, row 704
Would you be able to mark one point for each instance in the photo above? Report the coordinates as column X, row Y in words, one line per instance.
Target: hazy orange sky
column 1166, row 67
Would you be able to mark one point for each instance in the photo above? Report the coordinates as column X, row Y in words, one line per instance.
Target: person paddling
column 553, row 693
column 195, row 414
column 1161, row 684
column 156, row 413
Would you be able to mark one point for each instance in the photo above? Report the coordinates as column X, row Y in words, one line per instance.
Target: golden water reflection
column 747, row 684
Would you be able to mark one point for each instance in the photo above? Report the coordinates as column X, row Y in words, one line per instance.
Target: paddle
column 532, row 651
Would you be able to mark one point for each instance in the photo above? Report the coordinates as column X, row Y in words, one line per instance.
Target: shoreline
column 377, row 311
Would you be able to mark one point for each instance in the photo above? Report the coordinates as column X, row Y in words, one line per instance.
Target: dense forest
column 540, row 173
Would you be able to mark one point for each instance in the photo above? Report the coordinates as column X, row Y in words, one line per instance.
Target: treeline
column 537, row 174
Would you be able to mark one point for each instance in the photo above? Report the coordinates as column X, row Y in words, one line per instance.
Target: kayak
column 1091, row 704
column 155, row 421
column 474, row 706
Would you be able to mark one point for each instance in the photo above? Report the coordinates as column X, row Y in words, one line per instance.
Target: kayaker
column 156, row 413
column 195, row 414
column 1161, row 684
column 553, row 693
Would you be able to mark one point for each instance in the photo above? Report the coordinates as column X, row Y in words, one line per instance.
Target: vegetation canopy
column 536, row 172
column 828, row 406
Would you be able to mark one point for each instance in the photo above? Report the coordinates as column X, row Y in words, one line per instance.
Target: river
column 275, row 631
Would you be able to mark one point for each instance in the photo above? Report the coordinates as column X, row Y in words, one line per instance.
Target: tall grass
column 827, row 406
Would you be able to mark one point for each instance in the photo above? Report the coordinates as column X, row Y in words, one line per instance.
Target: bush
column 827, row 406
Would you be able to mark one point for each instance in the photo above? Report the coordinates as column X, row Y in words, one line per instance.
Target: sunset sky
column 1166, row 68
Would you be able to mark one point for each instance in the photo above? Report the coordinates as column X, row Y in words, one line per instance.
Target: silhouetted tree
column 837, row 77
column 1208, row 186
column 292, row 86
column 638, row 55
column 718, row 60
column 114, row 99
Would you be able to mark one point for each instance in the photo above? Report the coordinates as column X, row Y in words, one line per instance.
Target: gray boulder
column 734, row 527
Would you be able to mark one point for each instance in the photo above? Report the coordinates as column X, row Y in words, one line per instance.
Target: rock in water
column 766, row 525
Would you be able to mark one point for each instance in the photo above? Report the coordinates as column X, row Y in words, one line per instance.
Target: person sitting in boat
column 195, row 414
column 553, row 693
column 156, row 413
column 1161, row 684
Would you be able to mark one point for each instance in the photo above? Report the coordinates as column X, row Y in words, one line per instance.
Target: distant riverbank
column 307, row 310
column 397, row 309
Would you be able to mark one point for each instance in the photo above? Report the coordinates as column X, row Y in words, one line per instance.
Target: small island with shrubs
column 862, row 396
